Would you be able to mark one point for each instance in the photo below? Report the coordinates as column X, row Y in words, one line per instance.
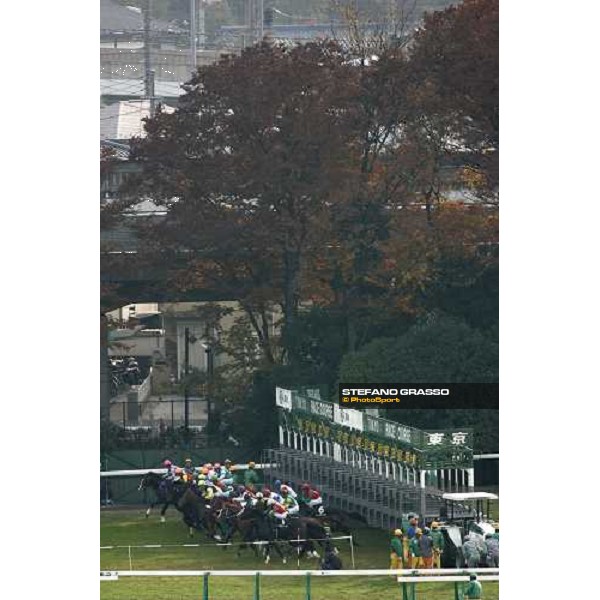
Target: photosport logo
column 418, row 395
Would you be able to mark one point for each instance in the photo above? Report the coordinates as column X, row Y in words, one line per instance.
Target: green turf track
column 130, row 527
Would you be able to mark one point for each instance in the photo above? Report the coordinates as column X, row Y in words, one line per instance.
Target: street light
column 189, row 339
column 209, row 372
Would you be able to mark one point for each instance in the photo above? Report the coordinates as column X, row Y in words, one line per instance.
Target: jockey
column 226, row 468
column 278, row 510
column 311, row 496
column 188, row 471
column 225, row 473
column 241, row 495
column 274, row 495
column 207, row 491
column 290, row 503
column 171, row 469
column 222, row 491
column 290, row 490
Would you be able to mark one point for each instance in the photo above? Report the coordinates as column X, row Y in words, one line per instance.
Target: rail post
column 458, row 590
column 205, row 586
column 257, row 586
column 409, row 591
column 307, row 586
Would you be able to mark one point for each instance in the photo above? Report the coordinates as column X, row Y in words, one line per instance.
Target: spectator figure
column 396, row 550
column 471, row 552
column 473, row 589
column 492, row 554
column 331, row 561
column 426, row 548
column 410, row 534
column 438, row 545
column 412, row 527
column 251, row 477
column 415, row 550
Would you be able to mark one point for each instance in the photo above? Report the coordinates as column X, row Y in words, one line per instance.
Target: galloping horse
column 196, row 513
column 332, row 518
column 256, row 528
column 166, row 492
column 304, row 528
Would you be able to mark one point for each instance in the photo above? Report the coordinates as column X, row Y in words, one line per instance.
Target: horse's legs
column 163, row 511
column 150, row 507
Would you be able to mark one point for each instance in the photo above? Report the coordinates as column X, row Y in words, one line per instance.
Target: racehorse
column 196, row 513
column 166, row 492
column 297, row 532
column 332, row 518
column 256, row 528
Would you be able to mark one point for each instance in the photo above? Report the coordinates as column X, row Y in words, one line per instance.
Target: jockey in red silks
column 311, row 496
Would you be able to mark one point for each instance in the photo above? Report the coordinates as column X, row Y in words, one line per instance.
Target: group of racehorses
column 221, row 518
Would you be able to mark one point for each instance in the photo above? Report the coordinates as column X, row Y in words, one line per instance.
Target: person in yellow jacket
column 396, row 550
column 438, row 545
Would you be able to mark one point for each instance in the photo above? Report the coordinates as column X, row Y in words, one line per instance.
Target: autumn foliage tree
column 454, row 61
column 254, row 157
column 296, row 178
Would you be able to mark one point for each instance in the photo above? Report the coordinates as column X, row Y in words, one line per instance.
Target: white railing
column 142, row 472
column 491, row 574
column 407, row 578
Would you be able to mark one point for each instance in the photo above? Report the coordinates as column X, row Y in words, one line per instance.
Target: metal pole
column 186, row 367
column 152, row 93
column 457, row 591
column 308, row 586
column 193, row 35
column 261, row 20
column 147, row 64
column 202, row 25
column 205, row 587
column 257, row 586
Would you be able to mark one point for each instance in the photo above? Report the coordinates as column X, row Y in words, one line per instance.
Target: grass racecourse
column 130, row 527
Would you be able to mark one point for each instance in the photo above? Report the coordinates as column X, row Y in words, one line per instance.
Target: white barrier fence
column 490, row 574
column 407, row 578
column 161, row 471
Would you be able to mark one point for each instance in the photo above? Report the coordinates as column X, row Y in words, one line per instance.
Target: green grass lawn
column 129, row 527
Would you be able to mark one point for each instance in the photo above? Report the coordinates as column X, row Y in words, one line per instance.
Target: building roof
column 117, row 17
column 458, row 496
column 124, row 120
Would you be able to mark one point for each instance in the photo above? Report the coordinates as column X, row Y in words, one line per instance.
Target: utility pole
column 261, row 20
column 202, row 24
column 147, row 64
column 152, row 93
column 193, row 35
column 252, row 20
column 186, row 369
column 209, row 377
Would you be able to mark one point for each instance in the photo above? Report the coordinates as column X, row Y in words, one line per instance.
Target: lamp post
column 188, row 339
column 209, row 374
